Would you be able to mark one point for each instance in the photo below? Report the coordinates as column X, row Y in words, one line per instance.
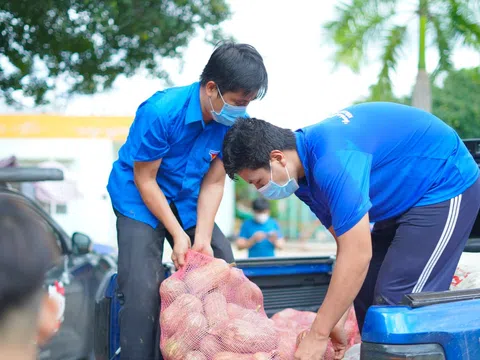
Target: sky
column 304, row 87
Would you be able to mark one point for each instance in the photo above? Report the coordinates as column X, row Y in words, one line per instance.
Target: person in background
column 168, row 183
column 28, row 316
column 260, row 235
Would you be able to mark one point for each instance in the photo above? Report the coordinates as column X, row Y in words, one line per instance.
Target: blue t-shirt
column 380, row 158
column 263, row 248
column 168, row 126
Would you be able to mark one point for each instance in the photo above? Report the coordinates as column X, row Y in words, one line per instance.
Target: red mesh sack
column 351, row 328
column 290, row 322
column 211, row 311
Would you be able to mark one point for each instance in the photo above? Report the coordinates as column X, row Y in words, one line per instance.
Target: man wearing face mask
column 260, row 235
column 168, row 183
column 397, row 166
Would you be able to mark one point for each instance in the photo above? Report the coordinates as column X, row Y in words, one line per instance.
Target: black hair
column 249, row 142
column 25, row 256
column 260, row 204
column 236, row 67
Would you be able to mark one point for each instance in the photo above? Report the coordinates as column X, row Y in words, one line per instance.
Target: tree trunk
column 422, row 93
column 422, row 96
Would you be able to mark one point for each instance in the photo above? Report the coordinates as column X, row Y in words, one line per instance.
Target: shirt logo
column 345, row 115
column 213, row 154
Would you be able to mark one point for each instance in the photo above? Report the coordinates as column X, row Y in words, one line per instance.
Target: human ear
column 277, row 155
column 211, row 89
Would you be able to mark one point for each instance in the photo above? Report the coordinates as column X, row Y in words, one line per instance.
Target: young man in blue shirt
column 391, row 164
column 168, row 183
column 260, row 235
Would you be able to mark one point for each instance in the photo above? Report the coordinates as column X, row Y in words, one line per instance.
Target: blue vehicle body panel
column 287, row 270
column 114, row 334
column 455, row 326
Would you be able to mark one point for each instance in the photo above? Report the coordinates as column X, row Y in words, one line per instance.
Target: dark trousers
column 418, row 251
column 140, row 272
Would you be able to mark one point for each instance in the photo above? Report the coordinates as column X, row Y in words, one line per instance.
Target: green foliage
column 457, row 102
column 384, row 96
column 361, row 23
column 88, row 43
column 245, row 194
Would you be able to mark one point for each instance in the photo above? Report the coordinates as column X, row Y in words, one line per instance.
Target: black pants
column 140, row 272
column 418, row 251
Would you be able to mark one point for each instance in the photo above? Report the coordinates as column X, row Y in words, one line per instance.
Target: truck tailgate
column 299, row 283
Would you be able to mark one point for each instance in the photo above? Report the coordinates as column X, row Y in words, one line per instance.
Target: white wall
column 226, row 213
column 91, row 161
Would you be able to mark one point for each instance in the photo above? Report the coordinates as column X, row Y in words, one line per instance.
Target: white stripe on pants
column 442, row 243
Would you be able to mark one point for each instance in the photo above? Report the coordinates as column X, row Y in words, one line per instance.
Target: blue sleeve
column 321, row 214
column 245, row 231
column 344, row 179
column 150, row 134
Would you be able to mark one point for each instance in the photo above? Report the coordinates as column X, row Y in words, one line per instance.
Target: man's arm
column 353, row 258
column 145, row 177
column 342, row 320
column 243, row 243
column 211, row 193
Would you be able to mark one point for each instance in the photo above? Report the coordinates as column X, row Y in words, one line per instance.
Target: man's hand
column 181, row 244
column 259, row 236
column 203, row 248
column 310, row 346
column 273, row 236
column 339, row 340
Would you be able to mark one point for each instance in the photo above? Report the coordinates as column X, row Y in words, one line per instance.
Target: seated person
column 262, row 234
column 28, row 316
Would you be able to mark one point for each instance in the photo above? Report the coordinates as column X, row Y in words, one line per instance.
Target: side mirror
column 81, row 244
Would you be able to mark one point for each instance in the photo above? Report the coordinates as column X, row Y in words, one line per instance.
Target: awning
column 57, row 192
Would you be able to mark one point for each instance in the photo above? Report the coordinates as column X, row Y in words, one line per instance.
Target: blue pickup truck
column 427, row 326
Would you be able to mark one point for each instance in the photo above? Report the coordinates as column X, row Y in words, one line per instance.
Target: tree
column 457, row 102
column 87, row 44
column 445, row 24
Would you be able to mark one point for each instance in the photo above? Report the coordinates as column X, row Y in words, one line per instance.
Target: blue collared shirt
column 380, row 158
column 168, row 126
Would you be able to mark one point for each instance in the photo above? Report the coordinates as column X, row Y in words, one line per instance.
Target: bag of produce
column 210, row 310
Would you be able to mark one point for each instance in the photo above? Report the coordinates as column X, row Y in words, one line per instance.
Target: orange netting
column 211, row 311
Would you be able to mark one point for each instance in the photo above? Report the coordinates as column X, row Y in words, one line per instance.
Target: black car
column 80, row 269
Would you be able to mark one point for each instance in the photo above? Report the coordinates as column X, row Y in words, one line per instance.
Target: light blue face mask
column 229, row 113
column 274, row 191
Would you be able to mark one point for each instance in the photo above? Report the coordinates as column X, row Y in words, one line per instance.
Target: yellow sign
column 58, row 126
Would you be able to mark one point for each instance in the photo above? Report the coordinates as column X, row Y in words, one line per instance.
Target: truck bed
column 299, row 283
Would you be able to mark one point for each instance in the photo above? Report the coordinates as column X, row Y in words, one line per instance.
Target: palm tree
column 444, row 24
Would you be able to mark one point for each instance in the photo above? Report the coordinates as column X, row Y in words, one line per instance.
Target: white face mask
column 261, row 218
